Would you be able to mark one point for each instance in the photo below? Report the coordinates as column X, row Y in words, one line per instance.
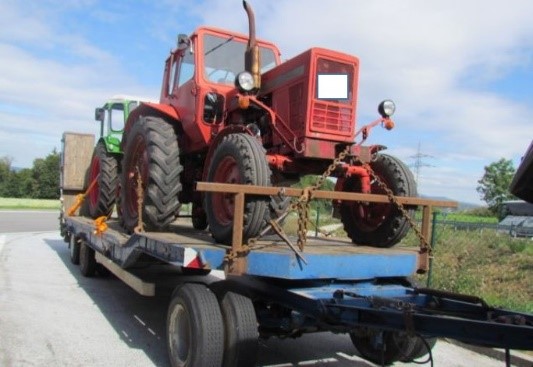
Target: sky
column 460, row 72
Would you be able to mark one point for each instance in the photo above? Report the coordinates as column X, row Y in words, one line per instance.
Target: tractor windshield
column 224, row 58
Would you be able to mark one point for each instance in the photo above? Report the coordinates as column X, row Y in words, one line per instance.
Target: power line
column 419, row 162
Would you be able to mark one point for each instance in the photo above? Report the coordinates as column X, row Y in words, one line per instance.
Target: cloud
column 436, row 59
column 51, row 80
column 441, row 61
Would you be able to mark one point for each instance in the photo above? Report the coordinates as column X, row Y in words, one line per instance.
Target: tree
column 5, row 175
column 22, row 183
column 494, row 185
column 46, row 176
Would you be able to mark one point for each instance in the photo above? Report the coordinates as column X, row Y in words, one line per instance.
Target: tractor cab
column 112, row 117
column 200, row 79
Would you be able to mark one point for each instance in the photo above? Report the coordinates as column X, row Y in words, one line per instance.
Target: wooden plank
column 140, row 286
column 75, row 159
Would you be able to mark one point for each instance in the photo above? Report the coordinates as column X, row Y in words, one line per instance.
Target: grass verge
column 37, row 204
column 483, row 263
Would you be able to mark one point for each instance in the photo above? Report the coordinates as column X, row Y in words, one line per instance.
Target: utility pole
column 419, row 162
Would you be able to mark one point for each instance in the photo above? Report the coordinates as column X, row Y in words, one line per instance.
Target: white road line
column 348, row 357
column 317, row 361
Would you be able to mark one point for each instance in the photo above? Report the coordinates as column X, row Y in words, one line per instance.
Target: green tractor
column 102, row 179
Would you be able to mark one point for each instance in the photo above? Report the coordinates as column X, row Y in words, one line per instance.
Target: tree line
column 42, row 181
column 39, row 182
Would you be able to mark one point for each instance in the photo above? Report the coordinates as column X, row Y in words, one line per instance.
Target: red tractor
column 254, row 120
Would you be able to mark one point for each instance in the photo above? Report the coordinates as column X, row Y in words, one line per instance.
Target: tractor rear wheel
column 238, row 159
column 151, row 161
column 379, row 224
column 103, row 169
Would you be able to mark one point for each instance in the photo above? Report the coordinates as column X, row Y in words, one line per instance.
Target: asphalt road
column 12, row 221
column 50, row 315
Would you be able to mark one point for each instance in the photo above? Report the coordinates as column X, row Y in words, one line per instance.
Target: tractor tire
column 242, row 335
column 104, row 168
column 151, row 151
column 238, row 159
column 395, row 346
column 195, row 328
column 379, row 224
column 421, row 347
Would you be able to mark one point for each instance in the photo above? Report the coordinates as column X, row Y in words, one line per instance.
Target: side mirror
column 183, row 41
column 99, row 114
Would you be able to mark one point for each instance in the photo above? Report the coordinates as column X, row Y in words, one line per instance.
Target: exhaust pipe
column 252, row 60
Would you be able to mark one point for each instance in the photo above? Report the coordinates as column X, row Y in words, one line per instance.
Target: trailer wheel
column 239, row 159
column 241, row 338
column 74, row 247
column 378, row 224
column 394, row 347
column 195, row 330
column 151, row 153
column 103, row 168
column 87, row 260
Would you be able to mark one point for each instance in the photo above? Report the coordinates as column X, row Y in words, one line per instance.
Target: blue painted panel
column 387, row 263
column 323, row 266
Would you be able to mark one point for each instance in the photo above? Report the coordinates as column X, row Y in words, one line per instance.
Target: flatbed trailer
column 268, row 287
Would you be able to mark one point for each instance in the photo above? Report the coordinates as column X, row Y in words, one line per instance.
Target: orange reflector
column 388, row 124
column 244, row 102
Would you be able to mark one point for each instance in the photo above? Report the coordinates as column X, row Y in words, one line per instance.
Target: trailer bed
column 339, row 287
column 183, row 246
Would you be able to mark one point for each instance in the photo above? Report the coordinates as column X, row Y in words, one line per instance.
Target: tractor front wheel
column 379, row 224
column 103, row 170
column 383, row 347
column 151, row 166
column 238, row 159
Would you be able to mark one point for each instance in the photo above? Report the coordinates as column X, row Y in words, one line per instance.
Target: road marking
column 311, row 362
column 349, row 357
column 317, row 361
column 2, row 241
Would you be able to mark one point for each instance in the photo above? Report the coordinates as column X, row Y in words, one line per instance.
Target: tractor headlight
column 244, row 81
column 386, row 108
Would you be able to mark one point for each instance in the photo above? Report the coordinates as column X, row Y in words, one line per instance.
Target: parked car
column 523, row 229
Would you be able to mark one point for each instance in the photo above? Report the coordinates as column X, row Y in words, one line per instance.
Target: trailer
column 271, row 287
column 228, row 136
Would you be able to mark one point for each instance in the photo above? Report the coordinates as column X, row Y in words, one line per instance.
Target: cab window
column 115, row 117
